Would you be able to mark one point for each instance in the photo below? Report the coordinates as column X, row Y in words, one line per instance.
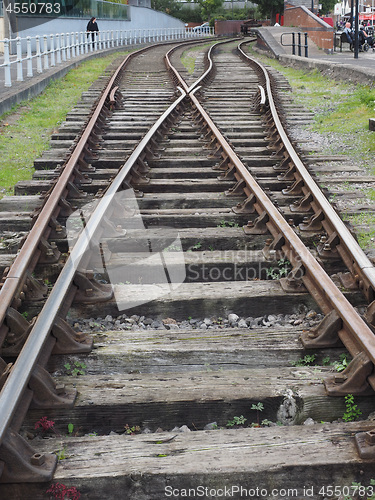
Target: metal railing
column 299, row 44
column 35, row 55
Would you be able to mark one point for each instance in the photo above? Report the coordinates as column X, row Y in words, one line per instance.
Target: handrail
column 293, row 44
column 49, row 50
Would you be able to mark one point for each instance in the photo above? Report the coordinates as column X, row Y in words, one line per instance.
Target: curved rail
column 357, row 262
column 14, row 388
column 342, row 320
column 351, row 329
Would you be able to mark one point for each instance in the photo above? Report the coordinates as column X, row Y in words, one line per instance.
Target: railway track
column 168, row 276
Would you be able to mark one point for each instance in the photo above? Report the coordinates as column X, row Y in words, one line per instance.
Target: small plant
column 342, row 363
column 62, row 454
column 224, row 223
column 258, row 407
column 60, row 491
column 77, row 369
column 132, row 430
column 265, row 422
column 275, row 273
column 44, row 424
column 352, row 412
column 197, row 246
column 307, row 360
column 236, row 421
column 25, row 314
column 326, row 361
column 48, row 283
column 70, row 428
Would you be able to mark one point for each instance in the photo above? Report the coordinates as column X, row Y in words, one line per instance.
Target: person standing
column 92, row 27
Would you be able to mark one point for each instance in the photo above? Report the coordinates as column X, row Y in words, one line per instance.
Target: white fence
column 37, row 54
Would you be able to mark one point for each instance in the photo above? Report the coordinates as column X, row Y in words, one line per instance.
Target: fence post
column 72, row 45
column 29, row 57
column 38, row 55
column 58, row 49
column 299, row 44
column 306, row 47
column 63, row 46
column 45, row 52
column 52, row 50
column 8, row 79
column 76, row 43
column 19, row 59
column 67, row 37
column 82, row 42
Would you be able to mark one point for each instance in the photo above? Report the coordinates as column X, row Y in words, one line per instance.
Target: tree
column 170, row 7
column 327, row 6
column 269, row 8
column 209, row 7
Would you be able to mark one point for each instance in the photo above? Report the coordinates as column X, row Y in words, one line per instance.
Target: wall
column 228, row 5
column 140, row 18
column 320, row 32
column 227, row 27
column 233, row 27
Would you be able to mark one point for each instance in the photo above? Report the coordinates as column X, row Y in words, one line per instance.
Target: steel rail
column 322, row 283
column 362, row 264
column 20, row 265
column 15, row 385
column 355, row 333
column 17, row 381
column 14, row 279
column 177, row 75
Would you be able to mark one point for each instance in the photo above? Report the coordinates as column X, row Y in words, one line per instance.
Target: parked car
column 203, row 28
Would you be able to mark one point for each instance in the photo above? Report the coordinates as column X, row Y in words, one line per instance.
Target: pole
column 356, row 31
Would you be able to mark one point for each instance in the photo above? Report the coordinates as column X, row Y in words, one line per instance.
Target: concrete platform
column 341, row 65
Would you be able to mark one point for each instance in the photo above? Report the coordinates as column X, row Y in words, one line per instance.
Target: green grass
column 26, row 129
column 190, row 55
column 364, row 224
column 341, row 110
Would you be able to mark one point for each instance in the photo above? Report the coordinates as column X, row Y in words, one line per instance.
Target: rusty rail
column 342, row 322
column 340, row 238
column 23, row 466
